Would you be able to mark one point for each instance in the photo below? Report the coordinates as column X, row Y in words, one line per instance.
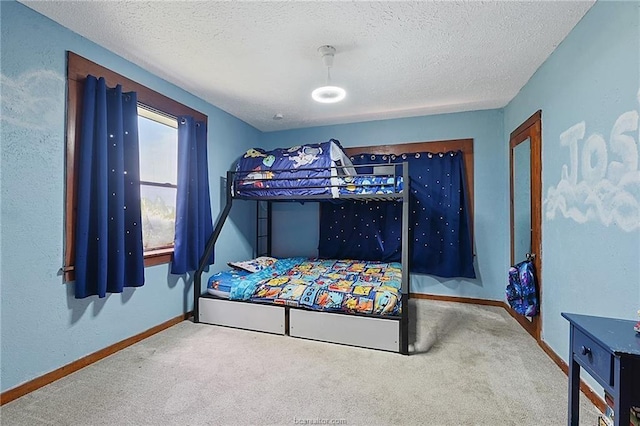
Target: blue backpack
column 521, row 291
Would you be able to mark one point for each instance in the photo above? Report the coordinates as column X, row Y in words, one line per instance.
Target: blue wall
column 588, row 93
column 296, row 230
column 43, row 326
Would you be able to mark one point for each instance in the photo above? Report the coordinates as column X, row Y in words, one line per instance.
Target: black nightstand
column 609, row 350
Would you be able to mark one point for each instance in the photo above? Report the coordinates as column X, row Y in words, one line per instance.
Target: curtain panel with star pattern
column 439, row 221
column 108, row 239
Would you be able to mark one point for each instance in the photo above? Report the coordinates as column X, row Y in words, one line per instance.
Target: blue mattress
column 220, row 284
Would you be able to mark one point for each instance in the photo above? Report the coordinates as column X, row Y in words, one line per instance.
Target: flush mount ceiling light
column 328, row 94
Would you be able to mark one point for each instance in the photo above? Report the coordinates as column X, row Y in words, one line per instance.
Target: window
column 158, row 138
column 158, row 159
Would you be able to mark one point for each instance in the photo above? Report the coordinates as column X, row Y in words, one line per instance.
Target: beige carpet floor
column 473, row 365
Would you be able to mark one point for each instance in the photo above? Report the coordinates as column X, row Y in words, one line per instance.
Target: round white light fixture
column 328, row 94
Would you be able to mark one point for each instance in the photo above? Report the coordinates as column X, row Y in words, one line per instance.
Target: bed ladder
column 263, row 228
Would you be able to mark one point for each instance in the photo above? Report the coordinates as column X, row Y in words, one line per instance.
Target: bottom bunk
column 356, row 303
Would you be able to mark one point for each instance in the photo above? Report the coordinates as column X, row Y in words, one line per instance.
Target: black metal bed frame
column 396, row 195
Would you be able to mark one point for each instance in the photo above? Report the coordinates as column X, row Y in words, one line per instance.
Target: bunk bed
column 313, row 172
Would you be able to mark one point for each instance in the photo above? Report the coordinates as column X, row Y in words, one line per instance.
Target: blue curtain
column 439, row 227
column 108, row 243
column 440, row 230
column 194, row 223
column 359, row 230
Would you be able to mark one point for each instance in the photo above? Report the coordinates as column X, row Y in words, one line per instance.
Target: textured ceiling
column 395, row 59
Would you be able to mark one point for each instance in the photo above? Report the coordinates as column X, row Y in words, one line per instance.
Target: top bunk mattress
column 319, row 170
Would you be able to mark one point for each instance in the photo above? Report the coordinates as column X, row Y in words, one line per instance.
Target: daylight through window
column 158, row 139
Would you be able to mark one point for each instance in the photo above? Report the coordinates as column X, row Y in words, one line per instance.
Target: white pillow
column 254, row 265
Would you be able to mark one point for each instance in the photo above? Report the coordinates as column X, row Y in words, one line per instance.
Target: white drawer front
column 249, row 316
column 366, row 332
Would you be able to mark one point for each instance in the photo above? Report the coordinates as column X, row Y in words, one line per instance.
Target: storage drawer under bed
column 250, row 316
column 374, row 333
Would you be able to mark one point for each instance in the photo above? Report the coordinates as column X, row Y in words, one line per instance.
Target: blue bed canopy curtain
column 439, row 222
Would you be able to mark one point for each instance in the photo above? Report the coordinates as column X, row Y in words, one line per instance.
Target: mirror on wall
column 525, row 176
column 521, row 225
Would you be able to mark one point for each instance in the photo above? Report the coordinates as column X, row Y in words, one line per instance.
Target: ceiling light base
column 327, row 52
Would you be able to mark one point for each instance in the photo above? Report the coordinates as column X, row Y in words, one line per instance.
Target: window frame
column 77, row 70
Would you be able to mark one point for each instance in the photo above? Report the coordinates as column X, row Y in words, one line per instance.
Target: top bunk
column 319, row 171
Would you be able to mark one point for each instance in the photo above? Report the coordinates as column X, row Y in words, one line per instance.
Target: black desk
column 609, row 350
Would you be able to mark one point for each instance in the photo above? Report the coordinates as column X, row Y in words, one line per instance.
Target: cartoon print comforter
column 351, row 286
column 312, row 169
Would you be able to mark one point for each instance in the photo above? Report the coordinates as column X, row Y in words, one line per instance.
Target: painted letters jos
column 609, row 191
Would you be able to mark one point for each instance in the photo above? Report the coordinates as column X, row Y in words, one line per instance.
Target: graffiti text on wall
column 609, row 191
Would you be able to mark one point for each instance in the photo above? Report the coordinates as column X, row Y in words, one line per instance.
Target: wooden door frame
column 531, row 129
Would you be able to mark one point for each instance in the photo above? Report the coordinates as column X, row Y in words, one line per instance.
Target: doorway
column 525, row 166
